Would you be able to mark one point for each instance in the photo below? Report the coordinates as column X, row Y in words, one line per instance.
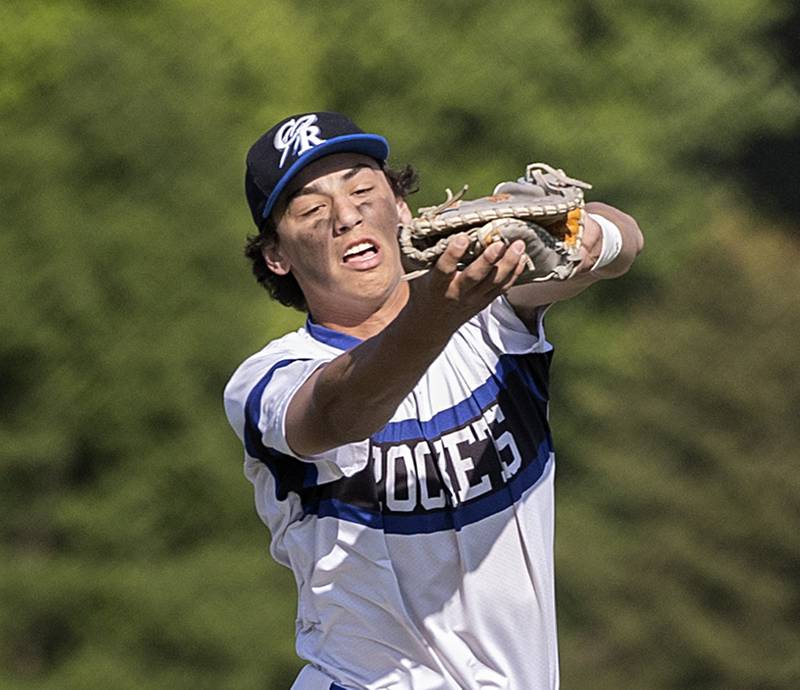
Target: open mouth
column 360, row 252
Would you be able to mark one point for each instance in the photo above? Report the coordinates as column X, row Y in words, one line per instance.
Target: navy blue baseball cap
column 291, row 145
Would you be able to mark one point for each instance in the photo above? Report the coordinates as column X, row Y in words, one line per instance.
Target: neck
column 363, row 321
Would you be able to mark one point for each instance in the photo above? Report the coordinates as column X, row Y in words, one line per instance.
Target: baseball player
column 398, row 443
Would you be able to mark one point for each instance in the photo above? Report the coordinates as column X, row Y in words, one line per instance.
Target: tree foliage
column 131, row 547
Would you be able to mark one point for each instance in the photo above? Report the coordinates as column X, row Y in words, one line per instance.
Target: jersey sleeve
column 507, row 332
column 256, row 401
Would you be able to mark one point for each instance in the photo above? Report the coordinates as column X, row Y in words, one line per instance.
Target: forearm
column 526, row 299
column 357, row 393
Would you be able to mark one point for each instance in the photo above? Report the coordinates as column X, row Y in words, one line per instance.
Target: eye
column 311, row 210
column 363, row 190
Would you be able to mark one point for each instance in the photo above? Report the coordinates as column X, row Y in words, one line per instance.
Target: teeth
column 357, row 248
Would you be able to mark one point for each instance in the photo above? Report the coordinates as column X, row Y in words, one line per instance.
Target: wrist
column 611, row 245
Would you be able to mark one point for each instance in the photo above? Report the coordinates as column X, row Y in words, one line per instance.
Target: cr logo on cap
column 298, row 135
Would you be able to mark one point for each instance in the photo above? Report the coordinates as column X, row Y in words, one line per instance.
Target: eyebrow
column 311, row 188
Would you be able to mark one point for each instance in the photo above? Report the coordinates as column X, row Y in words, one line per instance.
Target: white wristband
column 612, row 241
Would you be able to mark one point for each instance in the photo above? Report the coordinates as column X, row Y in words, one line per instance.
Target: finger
column 484, row 267
column 503, row 266
column 447, row 263
column 522, row 264
column 513, row 258
column 501, row 288
column 493, row 253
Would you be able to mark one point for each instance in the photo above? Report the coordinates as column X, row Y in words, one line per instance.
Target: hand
column 447, row 297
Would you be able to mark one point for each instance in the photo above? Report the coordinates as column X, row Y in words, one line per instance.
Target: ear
column 275, row 260
column 403, row 211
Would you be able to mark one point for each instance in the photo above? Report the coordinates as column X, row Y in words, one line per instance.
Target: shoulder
column 291, row 345
column 260, row 367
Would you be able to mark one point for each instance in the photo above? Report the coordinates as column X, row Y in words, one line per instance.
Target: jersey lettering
column 401, row 481
column 505, row 442
column 459, row 466
column 467, row 480
column 431, row 493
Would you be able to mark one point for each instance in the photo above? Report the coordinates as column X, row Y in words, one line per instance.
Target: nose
column 346, row 214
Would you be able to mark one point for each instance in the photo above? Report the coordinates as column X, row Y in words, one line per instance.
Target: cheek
column 310, row 241
column 311, row 255
column 385, row 215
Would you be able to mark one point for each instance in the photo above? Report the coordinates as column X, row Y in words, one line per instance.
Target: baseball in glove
column 545, row 208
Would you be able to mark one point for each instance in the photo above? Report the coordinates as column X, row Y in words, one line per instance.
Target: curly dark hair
column 284, row 288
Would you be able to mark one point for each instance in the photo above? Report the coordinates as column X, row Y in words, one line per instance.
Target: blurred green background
column 132, row 555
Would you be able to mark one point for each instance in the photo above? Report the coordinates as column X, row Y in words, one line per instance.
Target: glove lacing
column 535, row 172
column 430, row 211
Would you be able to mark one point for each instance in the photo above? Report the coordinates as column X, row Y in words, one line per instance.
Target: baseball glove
column 545, row 208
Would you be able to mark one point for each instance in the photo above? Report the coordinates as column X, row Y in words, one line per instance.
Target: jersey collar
column 328, row 336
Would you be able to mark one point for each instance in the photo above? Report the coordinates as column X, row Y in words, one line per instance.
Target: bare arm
column 526, row 299
column 356, row 394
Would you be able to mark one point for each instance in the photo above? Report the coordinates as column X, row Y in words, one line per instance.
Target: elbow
column 633, row 242
column 637, row 238
column 632, row 238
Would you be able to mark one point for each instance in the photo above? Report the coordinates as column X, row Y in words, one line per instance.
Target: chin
column 378, row 288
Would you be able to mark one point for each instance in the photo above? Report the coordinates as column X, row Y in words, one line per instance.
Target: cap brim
column 372, row 145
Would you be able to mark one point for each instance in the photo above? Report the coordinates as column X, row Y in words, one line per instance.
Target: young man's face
column 337, row 234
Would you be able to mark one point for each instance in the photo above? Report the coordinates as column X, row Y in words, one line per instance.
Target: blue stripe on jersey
column 445, row 518
column 331, row 337
column 292, row 475
column 333, row 507
column 289, row 473
column 465, row 411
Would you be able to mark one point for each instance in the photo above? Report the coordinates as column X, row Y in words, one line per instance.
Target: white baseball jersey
column 424, row 554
